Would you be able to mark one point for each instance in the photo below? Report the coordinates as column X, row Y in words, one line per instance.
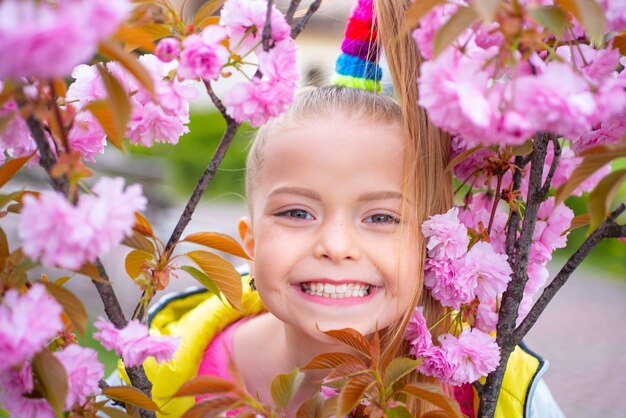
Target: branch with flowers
column 120, row 90
column 534, row 96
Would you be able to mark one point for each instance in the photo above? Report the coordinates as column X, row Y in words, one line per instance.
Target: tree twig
column 513, row 223
column 305, row 19
column 555, row 162
column 291, row 11
column 267, row 29
column 607, row 229
column 47, row 159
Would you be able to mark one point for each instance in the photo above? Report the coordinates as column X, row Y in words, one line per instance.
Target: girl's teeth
column 340, row 291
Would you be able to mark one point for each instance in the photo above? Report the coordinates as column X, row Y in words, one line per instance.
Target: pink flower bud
column 168, row 49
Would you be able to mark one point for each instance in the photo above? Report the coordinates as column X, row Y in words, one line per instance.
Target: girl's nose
column 337, row 242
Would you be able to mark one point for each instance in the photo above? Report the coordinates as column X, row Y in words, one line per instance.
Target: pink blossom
column 134, row 343
column 472, row 355
column 203, row 55
column 429, row 25
column 87, row 86
column 84, row 372
column 447, row 237
column 279, row 63
column 15, row 139
column 87, row 136
column 15, row 385
column 167, row 49
column 417, row 332
column 478, row 211
column 615, row 14
column 489, row 270
column 36, row 34
column 488, row 35
column 258, row 100
column 27, row 322
column 610, row 131
column 486, row 316
column 558, row 220
column 245, row 19
column 67, row 236
column 445, row 284
column 435, row 363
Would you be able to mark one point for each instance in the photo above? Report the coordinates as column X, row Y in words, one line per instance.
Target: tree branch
column 305, row 19
column 513, row 223
column 291, row 11
column 607, row 229
column 555, row 162
column 47, row 159
column 267, row 29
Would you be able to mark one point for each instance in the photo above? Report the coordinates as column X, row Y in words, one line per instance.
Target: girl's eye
column 382, row 218
column 296, row 214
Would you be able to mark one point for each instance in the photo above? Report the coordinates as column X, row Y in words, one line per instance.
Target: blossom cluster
column 133, row 343
column 66, row 235
column 203, row 56
column 35, row 35
column 573, row 92
column 27, row 323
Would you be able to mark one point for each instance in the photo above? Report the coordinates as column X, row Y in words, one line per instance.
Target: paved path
column 583, row 336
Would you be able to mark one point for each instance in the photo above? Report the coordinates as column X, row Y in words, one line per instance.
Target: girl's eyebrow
column 382, row 195
column 297, row 191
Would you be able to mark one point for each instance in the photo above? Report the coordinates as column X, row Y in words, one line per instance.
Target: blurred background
column 581, row 332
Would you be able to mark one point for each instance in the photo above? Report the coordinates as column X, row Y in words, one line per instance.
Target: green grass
column 186, row 161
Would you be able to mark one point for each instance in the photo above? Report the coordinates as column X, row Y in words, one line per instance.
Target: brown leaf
column 212, row 20
column 132, row 396
column 4, row 248
column 577, row 222
column 203, row 279
column 72, row 306
column 284, row 386
column 11, row 167
column 462, row 156
column 103, row 113
column 217, row 241
column 619, row 42
column 142, row 225
column 156, row 31
column 201, row 385
column 6, row 119
column 398, row 368
column 210, row 407
column 51, row 373
column 114, row 412
column 451, row 30
column 347, row 370
column 113, row 51
column 352, row 338
column 135, row 36
column 332, row 360
column 486, row 9
column 90, row 270
column 311, row 408
column 417, row 11
column 119, row 104
column 138, row 242
column 601, row 198
column 223, row 274
column 207, row 10
column 375, row 348
column 352, row 394
column 432, row 393
column 589, row 14
column 436, row 414
column 135, row 262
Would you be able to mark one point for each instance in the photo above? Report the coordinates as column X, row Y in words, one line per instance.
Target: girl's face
column 331, row 247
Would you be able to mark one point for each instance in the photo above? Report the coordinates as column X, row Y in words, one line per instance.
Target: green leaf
column 601, row 198
column 352, row 338
column 398, row 412
column 223, row 274
column 590, row 15
column 352, row 394
column 523, row 149
column 11, row 167
column 53, row 378
column 217, row 241
column 132, row 396
column 486, row 9
column 462, row 156
column 72, row 306
column 136, row 261
column 203, row 279
column 417, row 11
column 398, row 368
column 284, row 386
column 451, row 30
column 551, row 17
column 432, row 393
column 201, row 385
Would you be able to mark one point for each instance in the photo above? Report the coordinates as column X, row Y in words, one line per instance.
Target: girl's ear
column 247, row 238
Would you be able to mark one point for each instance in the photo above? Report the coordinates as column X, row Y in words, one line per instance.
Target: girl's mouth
column 336, row 291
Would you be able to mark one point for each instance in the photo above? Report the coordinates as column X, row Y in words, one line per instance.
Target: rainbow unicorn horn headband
column 357, row 66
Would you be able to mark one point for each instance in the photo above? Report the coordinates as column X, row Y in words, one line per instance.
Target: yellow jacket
column 197, row 316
